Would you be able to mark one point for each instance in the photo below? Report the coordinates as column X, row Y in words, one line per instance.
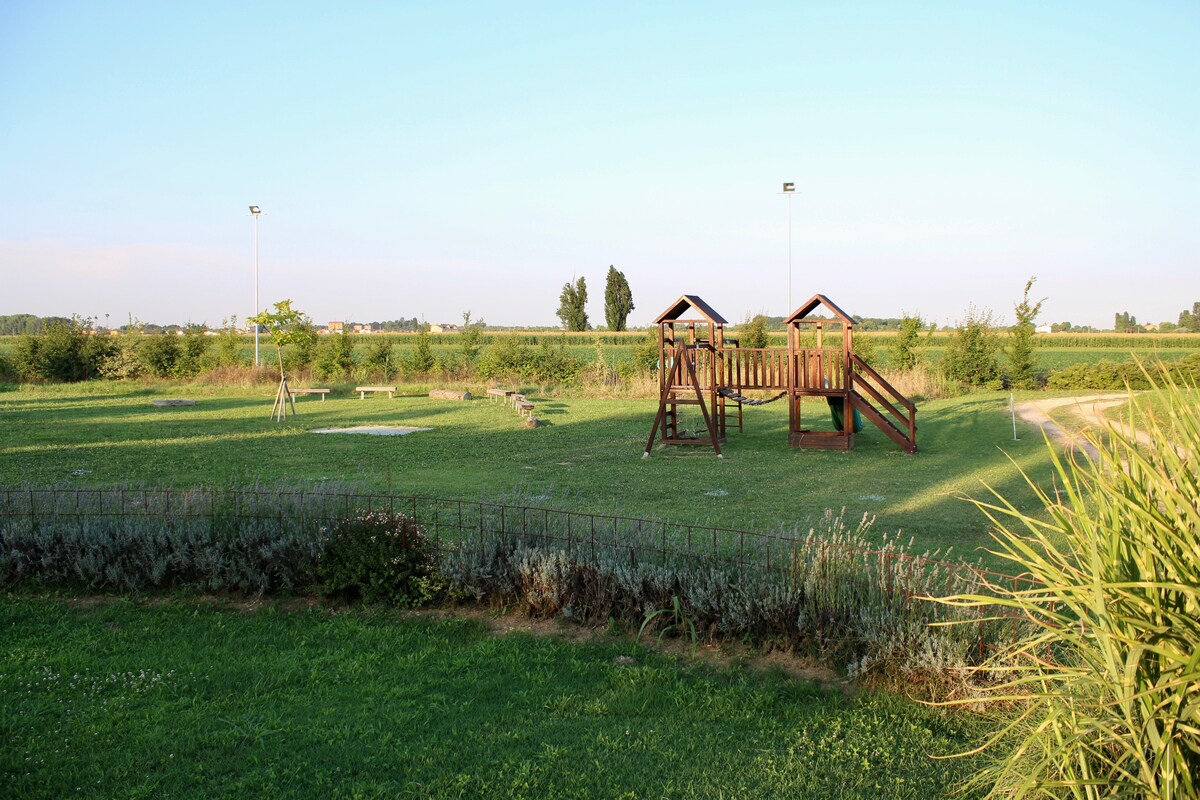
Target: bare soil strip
column 1090, row 409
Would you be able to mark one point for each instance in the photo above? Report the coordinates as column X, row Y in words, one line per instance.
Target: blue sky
column 426, row 159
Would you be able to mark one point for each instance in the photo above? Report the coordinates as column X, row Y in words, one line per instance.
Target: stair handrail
column 909, row 420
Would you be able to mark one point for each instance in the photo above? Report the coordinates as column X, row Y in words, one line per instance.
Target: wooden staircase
column 895, row 415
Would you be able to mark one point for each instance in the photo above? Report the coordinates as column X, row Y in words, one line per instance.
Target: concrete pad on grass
column 374, row 430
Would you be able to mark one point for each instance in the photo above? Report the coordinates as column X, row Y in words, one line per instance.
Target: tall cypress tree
column 618, row 299
column 572, row 305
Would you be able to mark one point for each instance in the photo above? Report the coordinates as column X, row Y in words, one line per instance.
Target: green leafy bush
column 65, row 351
column 1107, row 685
column 1022, row 362
column 506, row 359
column 550, row 364
column 229, row 344
column 419, row 361
column 380, row 557
column 1119, row 375
column 864, row 348
column 380, row 362
column 753, row 332
column 907, row 349
column 160, row 354
column 122, row 361
column 643, row 360
column 193, row 349
column 301, row 351
column 335, row 357
column 971, row 356
column 7, row 371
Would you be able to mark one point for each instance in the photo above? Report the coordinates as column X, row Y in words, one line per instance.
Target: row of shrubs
column 68, row 352
column 837, row 598
column 1117, row 375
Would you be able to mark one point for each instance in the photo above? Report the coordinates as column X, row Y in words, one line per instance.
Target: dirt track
column 1089, row 408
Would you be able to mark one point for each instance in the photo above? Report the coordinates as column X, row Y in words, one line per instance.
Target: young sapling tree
column 286, row 325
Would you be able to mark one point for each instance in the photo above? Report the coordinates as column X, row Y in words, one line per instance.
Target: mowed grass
column 191, row 699
column 586, row 458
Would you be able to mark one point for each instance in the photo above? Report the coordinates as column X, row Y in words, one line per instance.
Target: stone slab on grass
column 374, row 430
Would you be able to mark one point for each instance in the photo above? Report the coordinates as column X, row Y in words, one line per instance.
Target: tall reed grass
column 1108, row 685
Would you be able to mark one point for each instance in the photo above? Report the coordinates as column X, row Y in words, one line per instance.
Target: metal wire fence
column 785, row 555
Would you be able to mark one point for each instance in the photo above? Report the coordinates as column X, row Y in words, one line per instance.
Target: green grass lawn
column 189, row 699
column 587, row 458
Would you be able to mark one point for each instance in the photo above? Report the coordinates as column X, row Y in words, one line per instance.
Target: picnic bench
column 518, row 401
column 321, row 392
column 523, row 406
column 362, row 390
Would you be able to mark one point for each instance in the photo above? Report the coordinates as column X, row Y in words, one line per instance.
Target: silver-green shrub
column 251, row 551
column 840, row 598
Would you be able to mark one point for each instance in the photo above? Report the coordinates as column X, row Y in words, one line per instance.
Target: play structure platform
column 700, row 370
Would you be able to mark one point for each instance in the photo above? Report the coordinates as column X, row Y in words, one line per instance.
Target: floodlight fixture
column 787, row 187
column 255, row 210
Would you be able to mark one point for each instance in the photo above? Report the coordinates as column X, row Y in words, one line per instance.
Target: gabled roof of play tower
column 820, row 300
column 677, row 309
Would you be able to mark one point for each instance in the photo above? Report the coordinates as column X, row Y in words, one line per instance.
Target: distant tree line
column 16, row 324
column 1189, row 322
column 401, row 325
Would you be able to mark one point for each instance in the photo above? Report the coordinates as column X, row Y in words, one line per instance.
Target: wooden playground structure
column 702, row 370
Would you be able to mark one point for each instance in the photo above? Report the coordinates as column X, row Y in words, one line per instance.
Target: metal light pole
column 254, row 212
column 789, row 189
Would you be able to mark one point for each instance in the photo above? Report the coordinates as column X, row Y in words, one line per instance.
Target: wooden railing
column 884, row 395
column 756, row 367
column 767, row 368
column 819, row 369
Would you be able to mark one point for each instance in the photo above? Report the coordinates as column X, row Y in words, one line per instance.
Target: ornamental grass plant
column 1102, row 699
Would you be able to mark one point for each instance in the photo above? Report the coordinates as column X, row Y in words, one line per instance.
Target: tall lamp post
column 254, row 212
column 789, row 189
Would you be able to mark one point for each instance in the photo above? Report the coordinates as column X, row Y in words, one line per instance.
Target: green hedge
column 1117, row 375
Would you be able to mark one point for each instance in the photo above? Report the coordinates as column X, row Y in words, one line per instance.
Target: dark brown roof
column 820, row 300
column 676, row 310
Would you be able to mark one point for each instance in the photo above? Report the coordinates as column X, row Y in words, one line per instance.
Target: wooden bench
column 500, row 394
column 525, row 409
column 362, row 390
column 321, row 392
